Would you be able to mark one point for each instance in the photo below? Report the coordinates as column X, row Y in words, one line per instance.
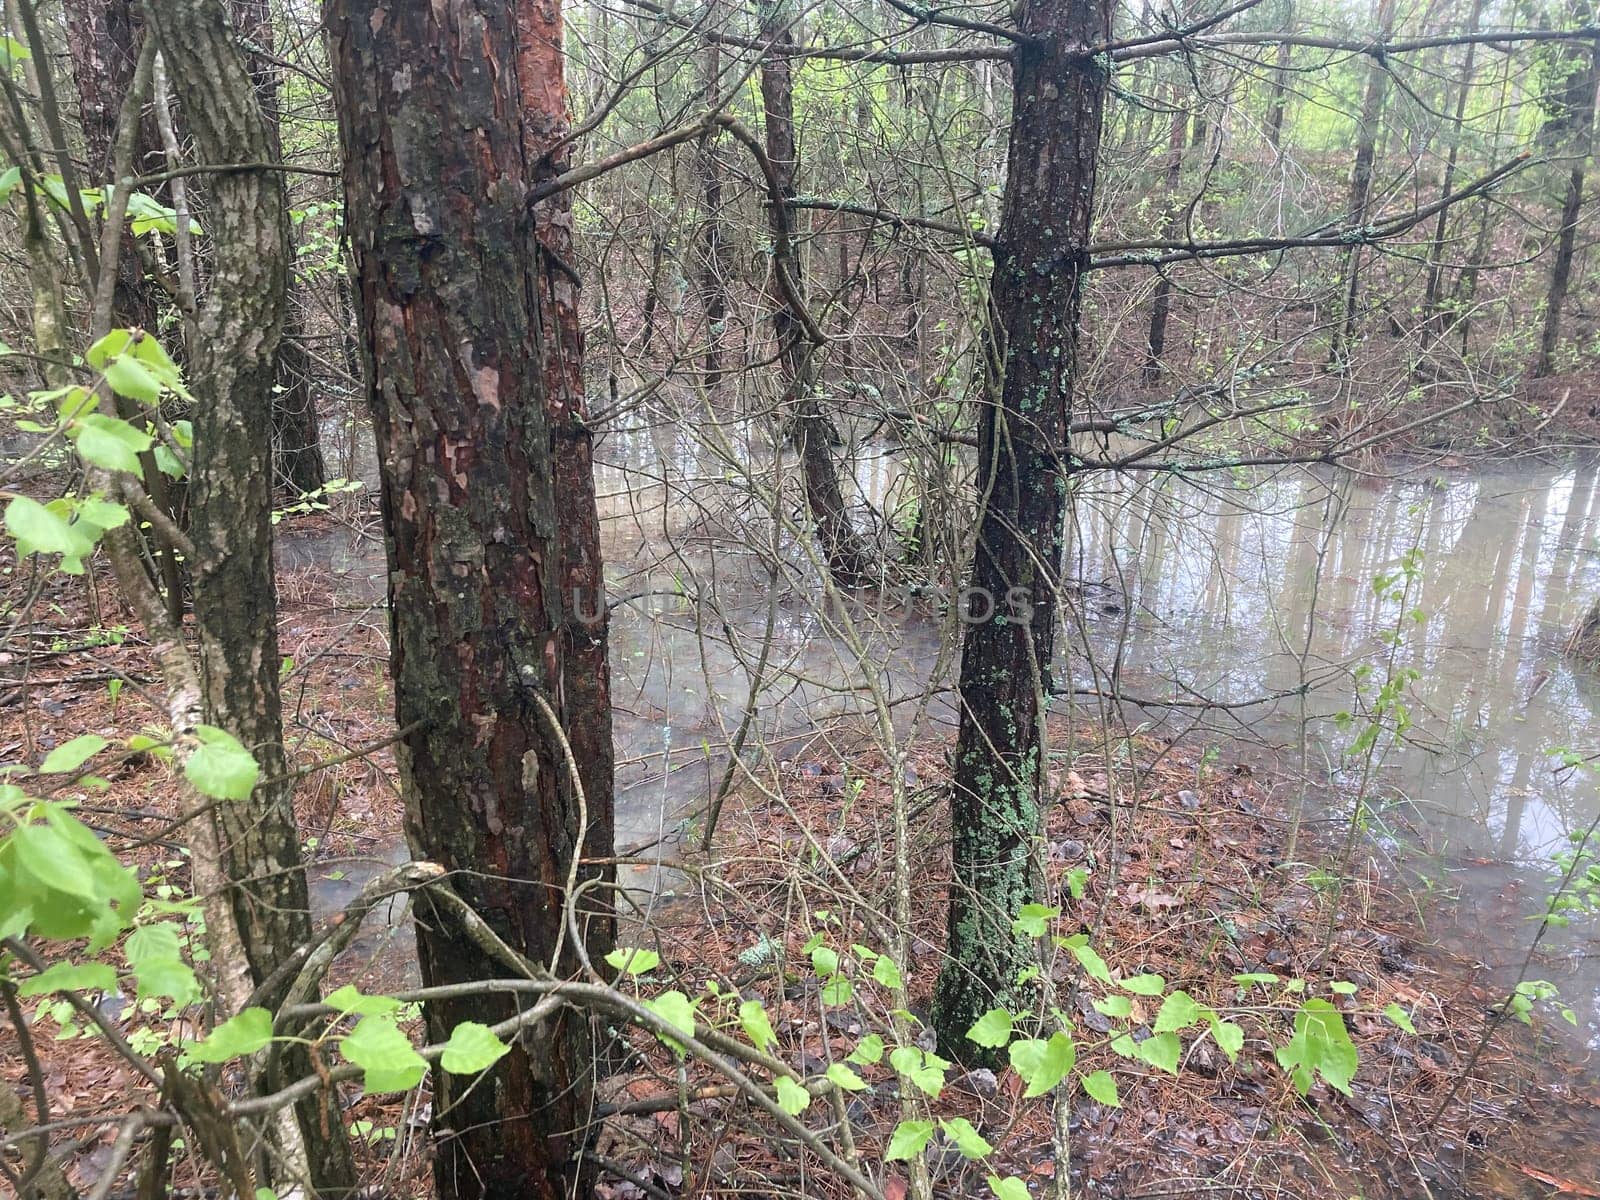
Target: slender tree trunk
column 1432, row 295
column 296, row 436
column 1058, row 102
column 1582, row 109
column 586, row 680
column 809, row 428
column 1369, row 127
column 230, row 496
column 713, row 267
column 1161, row 303
column 103, row 40
column 1280, row 90
column 436, row 167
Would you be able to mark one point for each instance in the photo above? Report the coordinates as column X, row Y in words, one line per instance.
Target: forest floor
column 1184, row 879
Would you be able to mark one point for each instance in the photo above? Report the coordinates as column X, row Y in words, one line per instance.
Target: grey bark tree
column 235, row 591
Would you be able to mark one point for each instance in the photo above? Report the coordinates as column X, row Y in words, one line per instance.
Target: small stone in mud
column 1188, row 800
column 840, row 847
column 982, row 1081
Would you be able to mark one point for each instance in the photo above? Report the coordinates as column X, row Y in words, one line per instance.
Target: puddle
column 1232, row 588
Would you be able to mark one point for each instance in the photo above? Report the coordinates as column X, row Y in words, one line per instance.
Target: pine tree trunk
column 586, row 680
column 809, row 427
column 230, row 500
column 473, row 453
column 1058, row 104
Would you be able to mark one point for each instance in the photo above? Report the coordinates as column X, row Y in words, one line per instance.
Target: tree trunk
column 230, row 500
column 713, row 285
column 1161, row 303
column 586, row 683
column 103, row 40
column 1280, row 90
column 995, row 803
column 1432, row 295
column 436, row 167
column 1582, row 107
column 1371, row 122
column 809, row 428
column 296, row 435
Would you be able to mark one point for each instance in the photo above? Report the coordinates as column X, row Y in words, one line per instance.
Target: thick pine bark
column 297, row 444
column 436, row 167
column 1581, row 106
column 809, row 428
column 230, row 499
column 1058, row 100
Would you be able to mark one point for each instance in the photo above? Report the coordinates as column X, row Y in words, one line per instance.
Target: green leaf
column 993, row 1029
column 47, row 855
column 676, row 1010
column 1145, row 985
column 924, row 1070
column 837, row 991
column 1011, row 1187
column 348, row 1000
column 843, row 1077
column 1321, row 1045
column 968, row 1140
column 757, row 1026
column 1093, row 965
column 1399, row 1016
column 38, row 530
column 171, row 978
column 66, row 977
column 868, row 1051
column 633, row 961
column 221, row 768
column 472, row 1048
column 1342, row 987
column 825, row 961
column 908, row 1140
column 1178, row 1011
column 792, row 1098
column 69, row 756
column 110, row 442
column 1161, row 1050
column 385, row 1054
column 153, row 943
column 1102, row 1087
column 130, row 377
column 886, row 973
column 1252, row 977
column 1118, row 1007
column 1042, row 1064
column 235, row 1038
column 103, row 351
column 1033, row 920
column 1230, row 1038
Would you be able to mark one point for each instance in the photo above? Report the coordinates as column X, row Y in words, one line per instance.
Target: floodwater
column 1252, row 591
